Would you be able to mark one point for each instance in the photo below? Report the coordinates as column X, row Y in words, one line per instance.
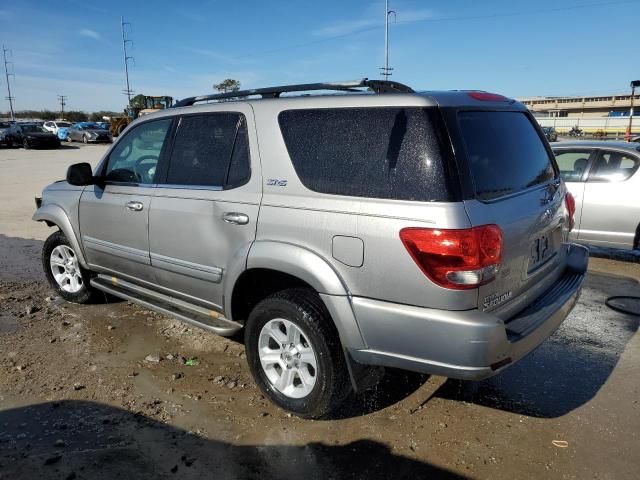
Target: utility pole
column 128, row 92
column 63, row 102
column 386, row 70
column 634, row 84
column 6, row 72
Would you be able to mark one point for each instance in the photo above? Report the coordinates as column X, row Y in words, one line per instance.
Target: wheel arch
column 54, row 215
column 275, row 266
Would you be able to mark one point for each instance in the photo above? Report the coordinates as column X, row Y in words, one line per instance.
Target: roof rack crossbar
column 377, row 86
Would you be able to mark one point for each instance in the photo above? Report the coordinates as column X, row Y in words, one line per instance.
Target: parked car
column 550, row 133
column 34, row 136
column 636, row 139
column 603, row 178
column 10, row 134
column 342, row 233
column 63, row 134
column 53, row 126
column 88, row 132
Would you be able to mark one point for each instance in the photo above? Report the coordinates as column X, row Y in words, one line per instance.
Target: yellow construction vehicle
column 140, row 105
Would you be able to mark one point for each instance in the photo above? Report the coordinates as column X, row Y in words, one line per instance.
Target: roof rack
column 377, row 86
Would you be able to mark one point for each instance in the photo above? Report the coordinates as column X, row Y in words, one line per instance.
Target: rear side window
column 504, row 151
column 390, row 153
column 210, row 150
column 611, row 166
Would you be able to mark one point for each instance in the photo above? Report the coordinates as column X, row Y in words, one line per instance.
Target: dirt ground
column 104, row 391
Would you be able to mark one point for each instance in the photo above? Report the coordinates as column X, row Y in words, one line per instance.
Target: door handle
column 236, row 218
column 134, row 206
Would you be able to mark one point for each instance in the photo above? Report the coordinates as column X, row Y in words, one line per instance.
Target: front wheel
column 295, row 355
column 85, row 139
column 25, row 144
column 64, row 272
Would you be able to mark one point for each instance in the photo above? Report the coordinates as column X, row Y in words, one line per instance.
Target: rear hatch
column 511, row 180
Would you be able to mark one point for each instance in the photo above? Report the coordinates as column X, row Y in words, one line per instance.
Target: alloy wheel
column 287, row 358
column 66, row 269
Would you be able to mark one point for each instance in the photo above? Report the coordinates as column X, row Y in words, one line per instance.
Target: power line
column 63, row 102
column 128, row 92
column 386, row 70
column 7, row 74
column 436, row 19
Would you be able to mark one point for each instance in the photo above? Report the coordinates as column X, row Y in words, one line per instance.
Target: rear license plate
column 542, row 249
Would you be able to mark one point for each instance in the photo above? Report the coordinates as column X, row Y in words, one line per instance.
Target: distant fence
column 608, row 125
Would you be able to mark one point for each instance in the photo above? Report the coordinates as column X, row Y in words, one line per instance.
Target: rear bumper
column 471, row 344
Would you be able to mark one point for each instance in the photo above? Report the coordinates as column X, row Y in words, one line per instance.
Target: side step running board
column 187, row 312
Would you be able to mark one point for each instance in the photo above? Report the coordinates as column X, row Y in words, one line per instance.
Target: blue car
column 63, row 133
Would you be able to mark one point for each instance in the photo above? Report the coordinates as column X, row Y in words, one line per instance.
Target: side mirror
column 80, row 174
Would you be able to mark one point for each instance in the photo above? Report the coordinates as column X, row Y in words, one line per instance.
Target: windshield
column 63, row 124
column 504, row 152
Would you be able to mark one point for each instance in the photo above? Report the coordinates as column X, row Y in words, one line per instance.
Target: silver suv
column 344, row 232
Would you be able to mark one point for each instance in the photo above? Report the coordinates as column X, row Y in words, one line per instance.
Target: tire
column 86, row 293
column 69, row 139
column 85, row 139
column 25, row 144
column 303, row 310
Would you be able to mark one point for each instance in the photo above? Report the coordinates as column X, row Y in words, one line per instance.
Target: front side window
column 210, row 150
column 134, row 158
column 573, row 164
column 504, row 151
column 610, row 166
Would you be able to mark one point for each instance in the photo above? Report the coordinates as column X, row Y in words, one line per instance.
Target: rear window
column 504, row 152
column 390, row 153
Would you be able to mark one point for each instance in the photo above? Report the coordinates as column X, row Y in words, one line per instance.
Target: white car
column 55, row 126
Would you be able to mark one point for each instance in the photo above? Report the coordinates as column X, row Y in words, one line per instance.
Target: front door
column 205, row 210
column 114, row 215
column 574, row 164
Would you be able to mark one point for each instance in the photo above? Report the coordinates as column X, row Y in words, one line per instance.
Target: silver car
column 342, row 233
column 603, row 178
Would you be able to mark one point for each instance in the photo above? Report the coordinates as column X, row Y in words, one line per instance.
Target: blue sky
column 72, row 47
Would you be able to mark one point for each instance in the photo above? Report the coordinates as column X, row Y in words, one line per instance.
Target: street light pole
column 634, row 84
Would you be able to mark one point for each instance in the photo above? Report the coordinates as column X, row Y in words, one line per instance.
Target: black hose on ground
column 620, row 303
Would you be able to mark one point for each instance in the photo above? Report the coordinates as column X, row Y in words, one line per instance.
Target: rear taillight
column 571, row 208
column 457, row 259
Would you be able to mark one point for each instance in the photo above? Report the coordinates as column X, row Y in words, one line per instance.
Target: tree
column 227, row 85
column 138, row 101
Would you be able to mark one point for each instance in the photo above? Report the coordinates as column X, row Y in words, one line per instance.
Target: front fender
column 55, row 214
column 317, row 272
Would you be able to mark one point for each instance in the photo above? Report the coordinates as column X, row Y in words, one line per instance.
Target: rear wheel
column 295, row 355
column 26, row 144
column 63, row 270
column 69, row 139
column 85, row 139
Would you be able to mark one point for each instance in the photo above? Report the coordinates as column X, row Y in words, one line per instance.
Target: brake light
column 456, row 259
column 571, row 208
column 487, row 97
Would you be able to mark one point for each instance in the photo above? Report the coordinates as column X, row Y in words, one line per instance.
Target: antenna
column 6, row 72
column 386, row 70
column 63, row 102
column 128, row 92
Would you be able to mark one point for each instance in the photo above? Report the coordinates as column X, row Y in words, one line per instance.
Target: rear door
column 574, row 165
column 204, row 214
column 611, row 207
column 514, row 184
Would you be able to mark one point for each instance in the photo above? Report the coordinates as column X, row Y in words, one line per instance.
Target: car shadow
column 570, row 367
column 82, row 439
column 68, row 146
